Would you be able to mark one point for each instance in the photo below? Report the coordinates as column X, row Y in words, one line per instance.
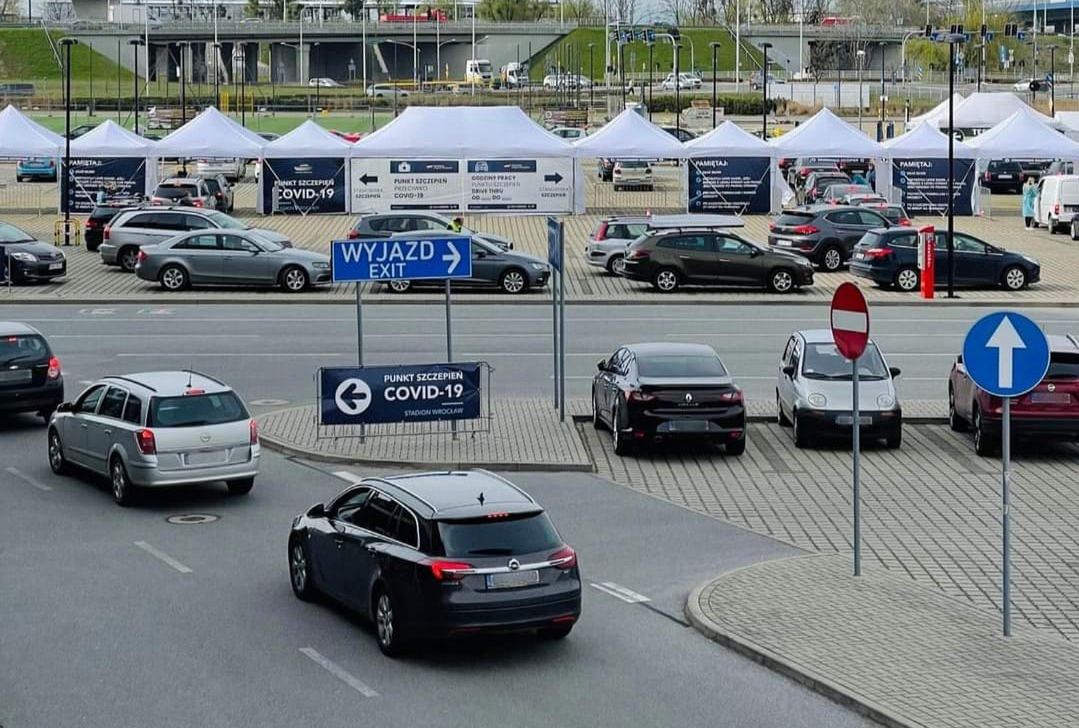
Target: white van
column 478, row 71
column 1058, row 201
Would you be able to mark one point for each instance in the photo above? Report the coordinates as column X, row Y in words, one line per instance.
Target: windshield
column 823, row 361
column 502, row 537
column 226, row 221
column 1061, row 366
column 175, row 192
column 196, row 410
column 22, row 349
column 680, row 366
column 483, row 66
column 12, row 234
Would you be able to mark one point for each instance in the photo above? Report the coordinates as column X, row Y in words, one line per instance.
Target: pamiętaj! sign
column 403, row 393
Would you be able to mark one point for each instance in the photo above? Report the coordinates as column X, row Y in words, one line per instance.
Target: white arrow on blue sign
column 1006, row 354
column 402, row 258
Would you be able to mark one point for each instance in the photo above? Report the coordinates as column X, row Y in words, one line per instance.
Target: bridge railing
column 232, row 28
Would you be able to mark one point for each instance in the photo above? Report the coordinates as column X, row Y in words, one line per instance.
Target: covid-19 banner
column 924, row 184
column 303, row 186
column 118, row 177
column 729, row 185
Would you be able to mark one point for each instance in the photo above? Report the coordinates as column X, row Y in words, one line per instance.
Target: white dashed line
column 620, row 592
column 27, row 479
column 163, row 557
column 339, row 672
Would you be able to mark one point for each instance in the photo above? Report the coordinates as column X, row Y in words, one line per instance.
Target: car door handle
column 372, row 548
column 83, row 425
column 108, row 432
column 339, row 540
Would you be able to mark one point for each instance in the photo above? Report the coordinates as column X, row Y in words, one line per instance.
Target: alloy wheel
column 119, row 481
column 666, row 280
column 782, row 281
column 128, row 258
column 618, row 265
column 513, row 281
column 832, row 259
column 56, row 453
column 173, row 279
column 298, row 565
column 1015, row 279
column 907, row 279
column 384, row 620
column 295, row 279
column 400, row 286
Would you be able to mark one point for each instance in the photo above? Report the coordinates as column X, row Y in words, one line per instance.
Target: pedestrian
column 101, row 196
column 858, row 179
column 1030, row 195
column 871, row 176
column 457, row 224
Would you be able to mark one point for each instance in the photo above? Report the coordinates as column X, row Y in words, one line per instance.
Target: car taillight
column 141, row 257
column 254, row 433
column 876, row 253
column 771, row 226
column 733, row 396
column 805, row 230
column 54, row 367
column 904, row 222
column 353, row 234
column 107, row 231
column 601, row 231
column 445, row 570
column 987, row 177
column 92, row 223
column 638, row 255
column 1056, row 208
column 196, row 203
column 146, row 443
column 636, row 395
column 565, row 558
column 803, row 173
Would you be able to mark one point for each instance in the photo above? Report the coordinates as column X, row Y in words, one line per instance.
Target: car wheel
column 781, row 280
column 780, row 417
column 121, row 485
column 597, row 421
column 391, row 638
column 240, row 486
column 801, row 434
column 173, row 278
column 735, row 447
column 1052, row 227
column 955, row 422
column 128, row 257
column 832, row 259
column 294, row 279
column 616, row 264
column 1075, row 230
column 1014, row 278
column 907, row 279
column 982, row 444
column 57, row 461
column 299, row 571
column 666, row 280
column 618, row 440
column 895, row 438
column 513, row 281
column 399, row 286
column 556, row 633
column 19, row 178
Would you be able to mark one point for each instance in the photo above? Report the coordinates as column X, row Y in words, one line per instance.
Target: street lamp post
column 622, row 69
column 66, row 187
column 737, row 45
column 677, row 90
column 715, row 97
column 951, row 39
column 882, row 96
column 1053, row 81
column 651, row 87
column 217, row 74
column 183, row 81
column 317, row 78
column 136, row 43
column 591, row 75
column 764, row 90
column 861, row 61
column 243, row 84
column 474, row 48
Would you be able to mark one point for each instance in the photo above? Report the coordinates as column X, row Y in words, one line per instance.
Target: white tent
column 630, row 136
column 20, row 137
column 211, row 135
column 925, row 143
column 940, row 111
column 109, row 139
column 986, row 110
column 1024, row 135
column 1070, row 121
column 730, row 170
column 307, row 140
column 825, row 135
column 462, row 132
column 728, row 140
column 311, row 159
column 109, row 158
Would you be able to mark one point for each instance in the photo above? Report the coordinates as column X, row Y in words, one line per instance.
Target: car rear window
column 680, row 366
column 1063, row 366
column 499, row 537
column 22, row 348
column 175, row 192
column 633, row 164
column 196, row 410
column 794, row 218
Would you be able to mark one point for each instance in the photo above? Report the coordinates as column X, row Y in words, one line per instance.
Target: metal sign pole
column 1006, row 453
column 449, row 344
column 857, row 497
column 554, row 331
column 561, row 329
column 359, row 347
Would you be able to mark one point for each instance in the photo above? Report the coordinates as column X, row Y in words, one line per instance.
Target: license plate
column 16, row 375
column 512, row 579
column 859, row 256
column 56, row 266
column 210, row 457
column 1050, row 397
column 784, row 243
column 849, row 420
column 687, row 426
column 1004, row 176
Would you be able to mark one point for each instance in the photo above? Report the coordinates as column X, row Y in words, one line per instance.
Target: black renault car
column 30, row 260
column 30, row 376
column 825, row 234
column 890, row 258
column 435, row 555
column 663, row 391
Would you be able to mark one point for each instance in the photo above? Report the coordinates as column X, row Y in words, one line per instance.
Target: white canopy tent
column 924, row 143
column 940, row 111
column 105, row 157
column 728, row 140
column 308, row 139
column 211, row 135
column 985, row 110
column 311, row 145
column 630, row 136
column 729, row 165
column 1024, row 135
column 109, row 139
column 21, row 137
column 1070, row 121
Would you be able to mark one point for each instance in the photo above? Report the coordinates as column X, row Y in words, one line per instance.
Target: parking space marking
column 339, row 672
column 218, row 355
column 620, row 592
column 27, row 479
column 162, row 556
column 347, row 476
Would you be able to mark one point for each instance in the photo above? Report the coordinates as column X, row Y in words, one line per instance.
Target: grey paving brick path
column 906, row 654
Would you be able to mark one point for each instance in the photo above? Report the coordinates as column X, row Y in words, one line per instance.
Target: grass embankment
column 26, row 56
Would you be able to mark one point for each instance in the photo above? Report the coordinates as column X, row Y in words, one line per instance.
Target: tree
column 251, row 9
column 578, row 10
column 524, row 11
column 624, row 11
column 775, row 11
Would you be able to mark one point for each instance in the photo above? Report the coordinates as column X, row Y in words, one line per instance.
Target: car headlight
column 818, row 400
column 885, row 401
column 24, row 257
column 539, row 266
column 320, row 265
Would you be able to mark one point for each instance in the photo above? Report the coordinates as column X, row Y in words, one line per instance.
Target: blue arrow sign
column 1006, row 354
column 402, row 258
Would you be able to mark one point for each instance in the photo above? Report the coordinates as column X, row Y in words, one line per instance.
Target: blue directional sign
column 402, row 259
column 1006, row 354
column 402, row 393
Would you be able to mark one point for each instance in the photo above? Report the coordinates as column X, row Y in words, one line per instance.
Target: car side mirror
column 317, row 511
column 754, row 252
column 789, row 370
column 480, row 254
column 601, row 365
column 65, row 407
column 894, row 371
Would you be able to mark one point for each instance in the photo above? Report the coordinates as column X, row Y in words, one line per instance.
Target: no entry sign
column 850, row 321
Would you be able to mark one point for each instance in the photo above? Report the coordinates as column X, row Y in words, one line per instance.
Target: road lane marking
column 192, row 335
column 347, row 476
column 162, row 556
column 339, row 672
column 28, row 479
column 620, row 592
column 217, row 355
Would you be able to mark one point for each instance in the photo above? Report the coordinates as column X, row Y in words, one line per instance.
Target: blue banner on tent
column 924, row 184
column 119, row 177
column 731, row 185
column 304, row 186
column 403, row 393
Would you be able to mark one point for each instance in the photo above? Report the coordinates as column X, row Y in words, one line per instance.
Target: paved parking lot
column 930, row 509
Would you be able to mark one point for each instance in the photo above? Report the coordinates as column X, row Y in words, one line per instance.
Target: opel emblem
column 514, row 564
column 205, row 437
column 1052, row 387
column 689, row 398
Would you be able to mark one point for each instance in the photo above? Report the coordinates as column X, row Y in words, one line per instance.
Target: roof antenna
column 480, row 498
column 189, row 378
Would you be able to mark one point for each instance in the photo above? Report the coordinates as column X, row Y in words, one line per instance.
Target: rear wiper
column 491, row 552
column 21, row 357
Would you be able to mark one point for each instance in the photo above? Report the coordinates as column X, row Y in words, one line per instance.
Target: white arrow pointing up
column 453, row 257
column 1005, row 340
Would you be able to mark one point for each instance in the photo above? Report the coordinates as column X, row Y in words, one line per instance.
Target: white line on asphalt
column 347, row 476
column 27, row 479
column 133, row 355
column 339, row 672
column 156, row 336
column 163, row 557
column 620, row 592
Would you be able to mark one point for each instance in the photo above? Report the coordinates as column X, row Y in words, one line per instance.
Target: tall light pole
column 473, row 48
column 217, row 74
column 801, row 36
column 66, row 187
column 1053, row 82
column 861, row 61
column 364, row 50
column 764, row 89
column 591, row 75
column 715, row 97
column 738, row 45
column 317, row 78
column 243, row 84
column 184, row 45
column 135, row 43
column 882, row 96
column 415, row 51
column 677, row 90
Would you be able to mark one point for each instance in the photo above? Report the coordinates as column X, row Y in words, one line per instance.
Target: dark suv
column 1003, row 176
column 817, row 183
column 825, row 234
column 672, row 257
column 436, row 555
column 30, row 376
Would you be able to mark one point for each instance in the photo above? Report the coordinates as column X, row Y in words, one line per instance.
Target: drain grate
column 192, row 519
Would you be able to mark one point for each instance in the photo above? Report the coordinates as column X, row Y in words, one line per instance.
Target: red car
column 349, row 136
column 1049, row 411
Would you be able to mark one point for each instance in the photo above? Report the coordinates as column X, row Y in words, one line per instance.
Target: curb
column 775, row 662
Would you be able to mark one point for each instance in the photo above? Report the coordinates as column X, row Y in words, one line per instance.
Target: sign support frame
column 856, row 447
column 1006, row 535
column 449, row 343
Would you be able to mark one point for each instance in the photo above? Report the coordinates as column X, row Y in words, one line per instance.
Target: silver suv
column 157, row 429
column 607, row 244
column 132, row 229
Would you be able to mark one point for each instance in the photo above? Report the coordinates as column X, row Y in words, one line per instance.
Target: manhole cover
column 268, row 402
column 192, row 519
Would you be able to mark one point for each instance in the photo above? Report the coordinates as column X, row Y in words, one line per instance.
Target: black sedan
column 30, row 259
column 662, row 391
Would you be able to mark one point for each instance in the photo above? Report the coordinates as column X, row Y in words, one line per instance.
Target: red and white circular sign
column 850, row 321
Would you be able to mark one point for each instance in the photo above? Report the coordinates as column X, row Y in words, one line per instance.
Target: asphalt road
column 270, row 353
column 114, row 617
